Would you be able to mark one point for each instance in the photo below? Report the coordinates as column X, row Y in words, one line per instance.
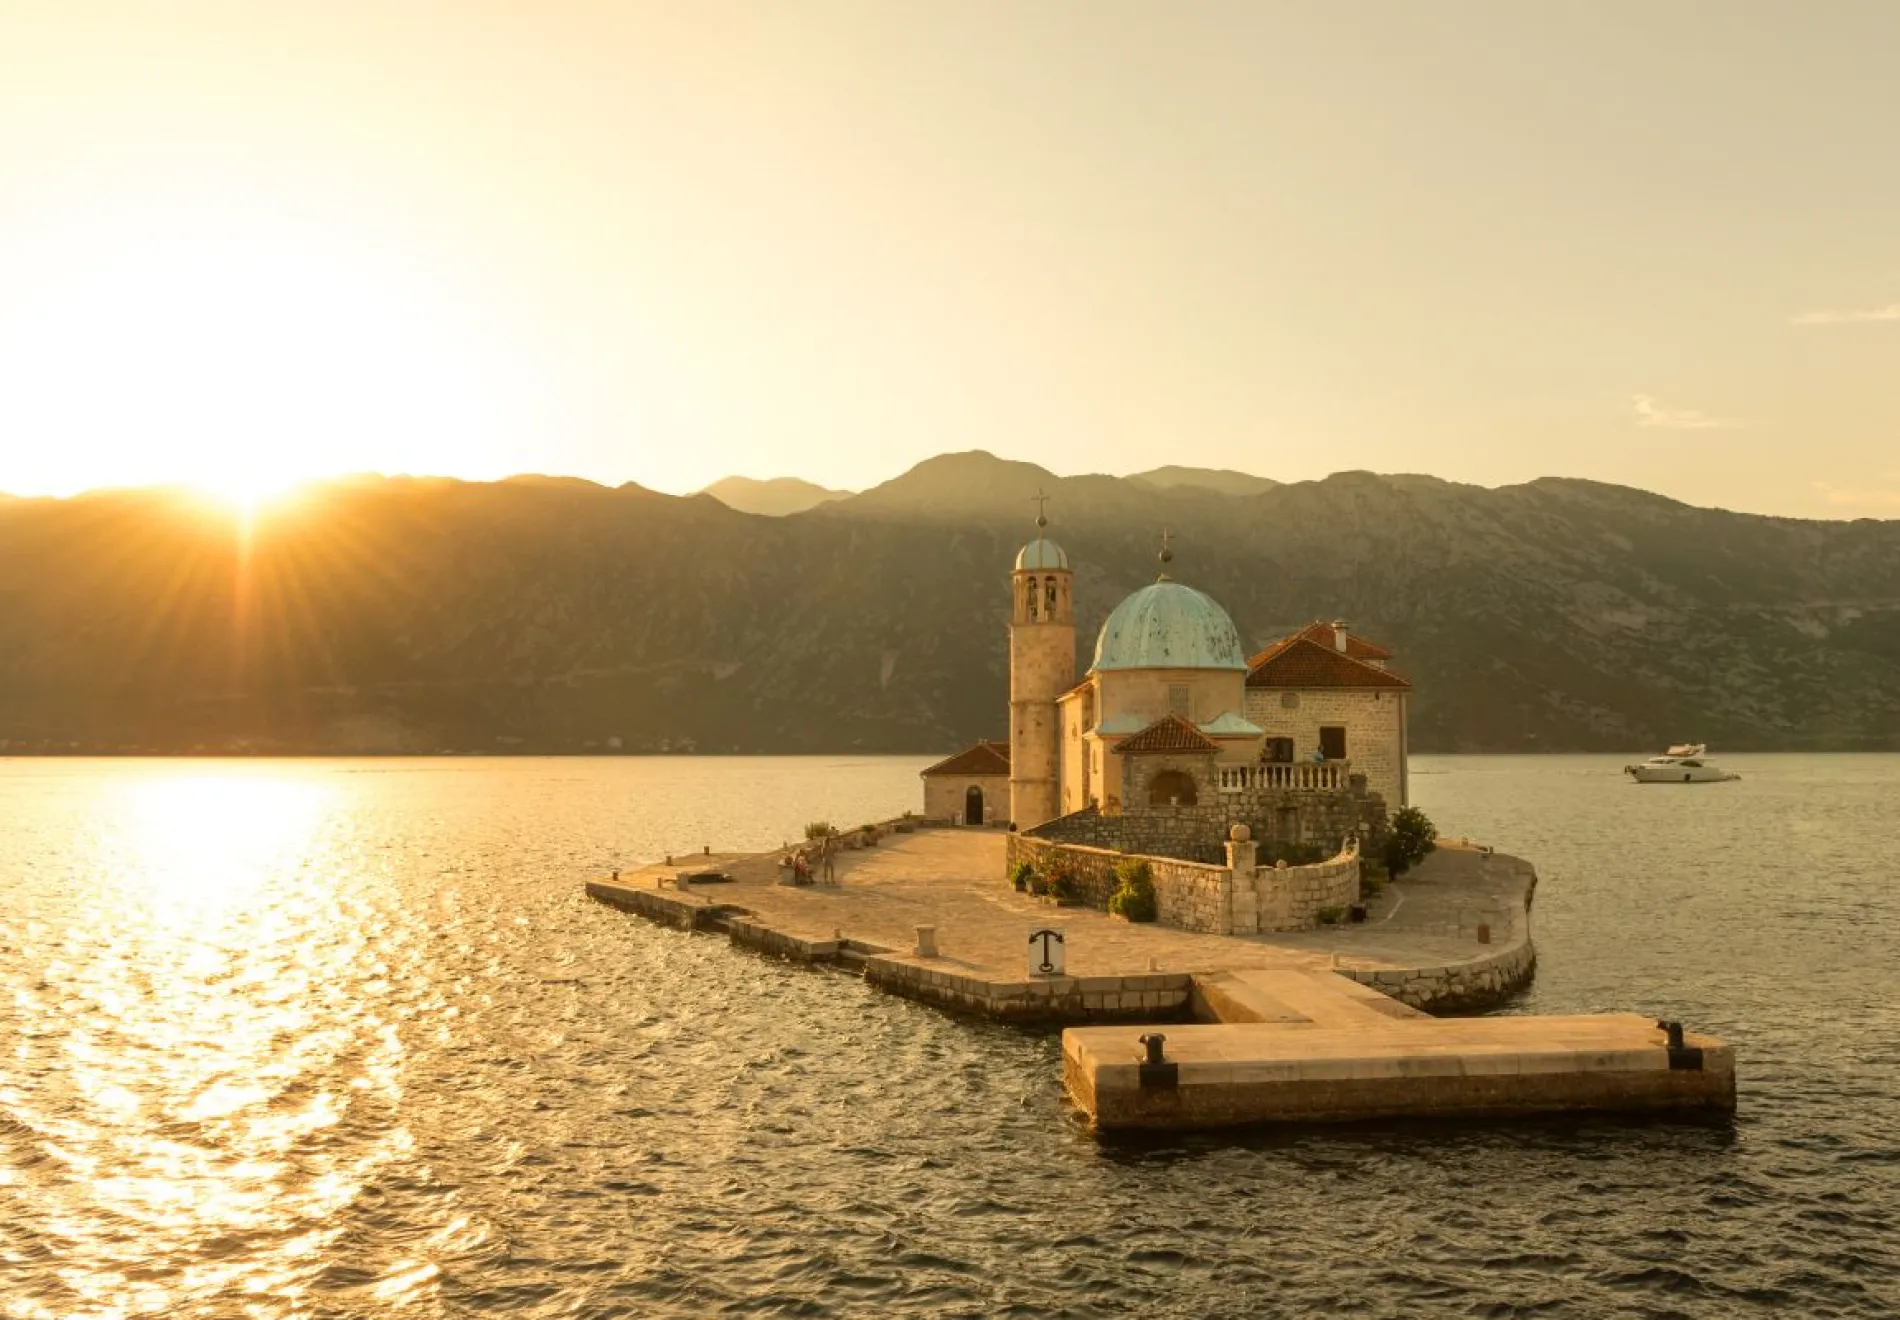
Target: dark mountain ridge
column 548, row 615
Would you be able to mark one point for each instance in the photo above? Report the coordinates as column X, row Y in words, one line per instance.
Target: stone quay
column 1311, row 1026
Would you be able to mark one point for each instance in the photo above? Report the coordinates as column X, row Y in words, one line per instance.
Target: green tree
column 1413, row 836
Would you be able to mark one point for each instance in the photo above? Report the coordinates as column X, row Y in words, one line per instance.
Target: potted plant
column 1064, row 889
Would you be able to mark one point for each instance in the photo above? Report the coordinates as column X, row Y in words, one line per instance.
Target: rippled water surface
column 345, row 1039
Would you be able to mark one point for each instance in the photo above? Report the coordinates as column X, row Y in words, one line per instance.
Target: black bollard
column 1157, row 1071
column 1682, row 1057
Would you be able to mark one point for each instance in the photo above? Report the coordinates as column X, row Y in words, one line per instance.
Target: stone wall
column 1482, row 983
column 1477, row 983
column 1074, row 1000
column 1292, row 897
column 1374, row 722
column 1199, row 833
column 1140, row 771
column 1188, row 895
column 1191, row 896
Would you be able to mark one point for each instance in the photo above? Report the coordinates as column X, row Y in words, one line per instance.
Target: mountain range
column 555, row 615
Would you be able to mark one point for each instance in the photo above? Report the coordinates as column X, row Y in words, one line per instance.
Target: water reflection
column 207, row 1058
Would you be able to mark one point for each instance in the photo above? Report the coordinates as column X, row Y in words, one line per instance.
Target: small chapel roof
column 983, row 757
column 1299, row 662
column 1170, row 733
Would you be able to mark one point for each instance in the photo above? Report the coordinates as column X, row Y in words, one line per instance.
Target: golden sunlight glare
column 238, row 355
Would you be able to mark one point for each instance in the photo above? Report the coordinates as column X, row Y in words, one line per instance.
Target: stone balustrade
column 1287, row 777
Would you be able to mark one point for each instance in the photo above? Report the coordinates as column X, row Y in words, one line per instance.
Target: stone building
column 1323, row 690
column 1173, row 734
column 972, row 787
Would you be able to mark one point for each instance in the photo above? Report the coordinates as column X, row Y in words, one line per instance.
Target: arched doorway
column 1171, row 788
column 973, row 805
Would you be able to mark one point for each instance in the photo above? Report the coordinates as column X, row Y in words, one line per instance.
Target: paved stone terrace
column 953, row 879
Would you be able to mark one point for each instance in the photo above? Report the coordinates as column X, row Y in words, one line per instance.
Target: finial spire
column 1167, row 555
column 1041, row 501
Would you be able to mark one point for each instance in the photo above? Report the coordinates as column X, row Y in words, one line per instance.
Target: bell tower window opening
column 1180, row 700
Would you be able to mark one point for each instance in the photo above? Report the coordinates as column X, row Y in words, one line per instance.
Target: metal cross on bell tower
column 1041, row 501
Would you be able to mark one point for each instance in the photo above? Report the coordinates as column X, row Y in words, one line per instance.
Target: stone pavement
column 953, row 879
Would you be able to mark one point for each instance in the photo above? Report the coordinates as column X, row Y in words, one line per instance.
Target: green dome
column 1169, row 626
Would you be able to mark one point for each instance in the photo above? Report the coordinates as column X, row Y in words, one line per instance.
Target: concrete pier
column 1308, row 1027
column 1301, row 1047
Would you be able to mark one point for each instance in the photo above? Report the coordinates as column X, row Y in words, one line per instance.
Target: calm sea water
column 344, row 1039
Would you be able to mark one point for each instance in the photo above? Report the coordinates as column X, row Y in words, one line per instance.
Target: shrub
column 818, row 829
column 1020, row 875
column 1329, row 916
column 1062, row 887
column 1413, row 836
column 1134, row 899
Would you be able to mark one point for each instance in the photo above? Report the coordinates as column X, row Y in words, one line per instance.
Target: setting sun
column 237, row 351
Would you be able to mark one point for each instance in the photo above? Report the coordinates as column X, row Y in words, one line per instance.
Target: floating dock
column 1320, row 1026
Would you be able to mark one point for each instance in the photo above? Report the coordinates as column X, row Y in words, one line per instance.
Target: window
column 1171, row 788
column 1277, row 751
column 1332, row 741
column 1179, row 702
column 1289, row 701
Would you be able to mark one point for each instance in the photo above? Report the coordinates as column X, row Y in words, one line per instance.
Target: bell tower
column 1041, row 668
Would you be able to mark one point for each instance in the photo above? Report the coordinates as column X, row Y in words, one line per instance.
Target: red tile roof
column 1299, row 662
column 1356, row 647
column 982, row 758
column 1321, row 634
column 1170, row 733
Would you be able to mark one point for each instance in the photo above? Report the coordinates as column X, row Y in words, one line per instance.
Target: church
column 1175, row 733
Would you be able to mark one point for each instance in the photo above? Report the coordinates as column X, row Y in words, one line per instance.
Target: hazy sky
column 1653, row 242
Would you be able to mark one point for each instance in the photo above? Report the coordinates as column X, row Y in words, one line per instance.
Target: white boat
column 1685, row 763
